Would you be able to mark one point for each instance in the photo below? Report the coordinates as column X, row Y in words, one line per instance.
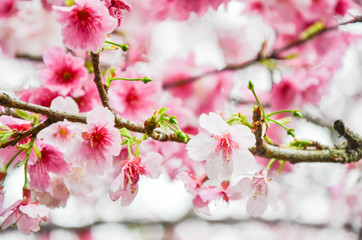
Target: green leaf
column 5, row 137
column 125, row 133
column 312, row 30
column 22, row 114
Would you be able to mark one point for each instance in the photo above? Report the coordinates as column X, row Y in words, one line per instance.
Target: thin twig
column 273, row 55
column 98, row 81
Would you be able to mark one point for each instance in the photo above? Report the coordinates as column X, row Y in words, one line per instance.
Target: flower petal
column 201, row 147
column 214, row 124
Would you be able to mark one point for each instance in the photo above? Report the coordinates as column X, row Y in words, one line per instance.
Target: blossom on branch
column 224, row 147
column 125, row 185
column 99, row 142
column 64, row 72
column 85, row 25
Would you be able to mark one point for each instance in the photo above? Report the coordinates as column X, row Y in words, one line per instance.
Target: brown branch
column 353, row 139
column 273, row 55
column 337, row 154
column 21, row 135
column 98, row 81
column 55, row 116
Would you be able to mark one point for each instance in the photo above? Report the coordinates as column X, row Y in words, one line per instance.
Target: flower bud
column 297, row 113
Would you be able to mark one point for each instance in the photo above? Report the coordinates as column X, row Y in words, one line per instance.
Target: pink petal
column 273, row 194
column 128, row 196
column 201, row 147
column 256, row 205
column 65, row 104
column 116, row 186
column 242, row 135
column 152, row 161
column 34, row 210
column 100, row 116
column 27, row 224
column 244, row 162
column 210, row 193
column 201, row 206
column 214, row 124
column 8, row 221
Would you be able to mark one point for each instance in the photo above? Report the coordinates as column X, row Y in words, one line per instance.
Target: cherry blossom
column 7, row 8
column 42, row 96
column 115, row 8
column 64, row 72
column 224, row 147
column 62, row 133
column 85, row 25
column 181, row 9
column 99, row 142
column 125, row 185
column 50, row 161
column 134, row 100
column 263, row 191
column 26, row 214
column 56, row 195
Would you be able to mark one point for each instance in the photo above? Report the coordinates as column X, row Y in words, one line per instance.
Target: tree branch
column 21, row 135
column 336, row 154
column 98, row 81
column 55, row 116
column 273, row 55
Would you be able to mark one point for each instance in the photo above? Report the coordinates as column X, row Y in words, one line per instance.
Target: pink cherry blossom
column 56, row 195
column 64, row 72
column 7, row 8
column 263, row 191
column 125, row 185
column 134, row 100
column 42, row 96
column 61, row 134
column 192, row 183
column 85, row 25
column 50, row 161
column 115, row 8
column 224, row 147
column 79, row 182
column 99, row 142
column 26, row 214
column 224, row 192
column 181, row 9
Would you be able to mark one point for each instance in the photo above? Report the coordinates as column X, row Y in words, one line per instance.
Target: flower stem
column 281, row 111
column 251, row 87
column 5, row 168
column 124, row 47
